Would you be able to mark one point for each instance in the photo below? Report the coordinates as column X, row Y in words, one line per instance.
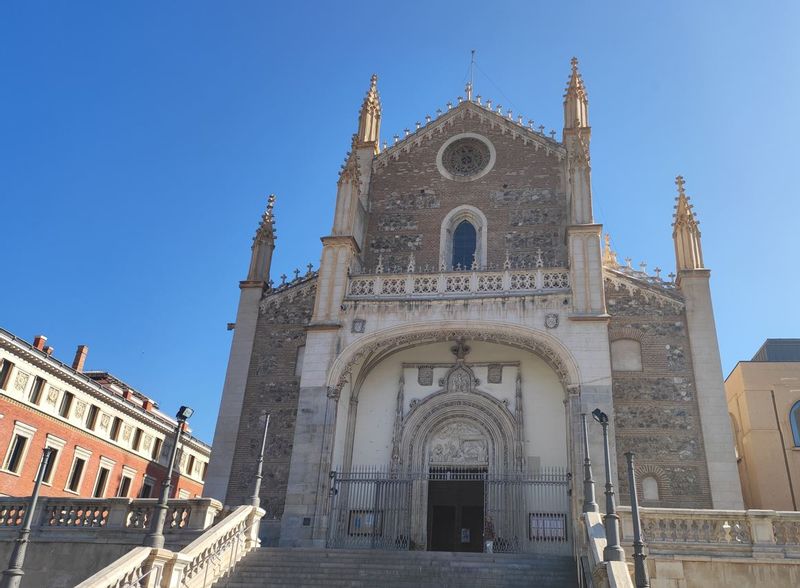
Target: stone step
column 298, row 567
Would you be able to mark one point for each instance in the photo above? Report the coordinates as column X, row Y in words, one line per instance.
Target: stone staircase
column 389, row 569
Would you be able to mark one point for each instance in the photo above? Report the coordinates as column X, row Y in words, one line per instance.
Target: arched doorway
column 449, row 438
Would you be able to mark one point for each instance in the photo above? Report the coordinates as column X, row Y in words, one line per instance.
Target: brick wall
column 523, row 198
column 272, row 386
column 22, row 484
column 656, row 411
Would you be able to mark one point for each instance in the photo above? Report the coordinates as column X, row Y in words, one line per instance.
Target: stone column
column 723, row 474
column 230, row 410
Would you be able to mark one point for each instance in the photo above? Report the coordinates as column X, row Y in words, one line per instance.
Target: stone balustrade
column 457, row 284
column 211, row 556
column 126, row 519
column 754, row 533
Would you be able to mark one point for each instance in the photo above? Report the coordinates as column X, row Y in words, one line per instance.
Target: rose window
column 465, row 157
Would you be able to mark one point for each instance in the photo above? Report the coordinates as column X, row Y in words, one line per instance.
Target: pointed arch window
column 794, row 418
column 465, row 240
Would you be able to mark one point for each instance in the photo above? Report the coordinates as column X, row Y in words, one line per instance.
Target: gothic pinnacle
column 369, row 118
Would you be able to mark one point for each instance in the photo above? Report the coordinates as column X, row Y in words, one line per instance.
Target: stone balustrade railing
column 198, row 565
column 458, row 284
column 123, row 517
column 744, row 532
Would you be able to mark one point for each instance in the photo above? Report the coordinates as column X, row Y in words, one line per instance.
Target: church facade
column 427, row 384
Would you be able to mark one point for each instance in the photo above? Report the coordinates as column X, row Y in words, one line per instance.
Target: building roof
column 779, row 350
column 102, row 384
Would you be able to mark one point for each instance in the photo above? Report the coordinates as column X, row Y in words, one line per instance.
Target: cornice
column 27, row 352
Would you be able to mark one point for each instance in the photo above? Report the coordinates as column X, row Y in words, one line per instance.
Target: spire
column 688, row 249
column 576, row 101
column 263, row 245
column 609, row 256
column 369, row 118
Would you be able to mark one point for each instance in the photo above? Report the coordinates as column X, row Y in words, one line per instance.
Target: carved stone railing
column 198, row 565
column 121, row 517
column 741, row 532
column 457, row 284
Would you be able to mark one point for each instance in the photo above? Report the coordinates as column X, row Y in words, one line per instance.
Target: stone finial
column 427, row 119
column 576, row 100
column 283, row 279
column 474, row 265
column 539, row 258
column 685, row 232
column 369, row 118
column 657, row 271
column 671, row 276
column 478, row 99
column 460, row 349
column 468, row 91
column 629, row 262
column 552, row 134
column 310, row 267
column 609, row 256
column 379, row 267
column 449, row 106
column 643, row 267
column 460, row 99
column 296, row 273
column 396, row 139
column 507, row 262
column 489, row 103
column 263, row 244
column 412, row 264
column 418, row 125
column 438, row 112
column 541, row 129
column 407, row 132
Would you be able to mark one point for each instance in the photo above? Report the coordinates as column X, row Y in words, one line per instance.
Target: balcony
column 457, row 284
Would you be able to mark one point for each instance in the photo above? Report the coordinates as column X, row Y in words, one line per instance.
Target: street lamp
column 589, row 501
column 612, row 550
column 640, row 571
column 13, row 575
column 255, row 499
column 155, row 538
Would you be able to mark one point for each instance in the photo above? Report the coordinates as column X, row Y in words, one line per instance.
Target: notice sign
column 464, row 535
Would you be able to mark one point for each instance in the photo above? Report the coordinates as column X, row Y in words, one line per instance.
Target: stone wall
column 273, row 386
column 523, row 198
column 656, row 411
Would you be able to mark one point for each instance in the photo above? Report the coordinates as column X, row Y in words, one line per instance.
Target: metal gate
column 374, row 508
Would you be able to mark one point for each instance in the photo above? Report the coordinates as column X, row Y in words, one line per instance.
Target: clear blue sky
column 139, row 140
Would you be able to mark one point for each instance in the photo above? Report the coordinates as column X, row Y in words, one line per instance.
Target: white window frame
column 130, row 473
column 105, row 464
column 58, row 444
column 85, row 455
column 23, row 430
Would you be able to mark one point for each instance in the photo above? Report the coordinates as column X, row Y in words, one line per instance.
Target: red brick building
column 109, row 439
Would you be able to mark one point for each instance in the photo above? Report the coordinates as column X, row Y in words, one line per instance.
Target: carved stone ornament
column 466, row 157
column 358, row 326
column 105, row 421
column 334, row 392
column 551, row 321
column 459, row 443
column 148, row 441
column 460, row 379
column 52, row 395
column 80, row 408
column 126, row 432
column 542, row 349
column 20, row 381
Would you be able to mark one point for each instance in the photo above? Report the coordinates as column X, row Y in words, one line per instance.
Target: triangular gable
column 471, row 109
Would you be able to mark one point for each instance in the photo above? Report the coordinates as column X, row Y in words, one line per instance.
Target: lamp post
column 640, row 570
column 13, row 575
column 589, row 501
column 612, row 550
column 255, row 499
column 155, row 538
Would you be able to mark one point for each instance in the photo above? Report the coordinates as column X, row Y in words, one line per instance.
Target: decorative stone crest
column 52, row 395
column 425, row 375
column 358, row 326
column 105, row 421
column 551, row 320
column 126, row 432
column 80, row 408
column 495, row 374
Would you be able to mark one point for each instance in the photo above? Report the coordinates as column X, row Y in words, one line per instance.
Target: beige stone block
column 672, row 570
